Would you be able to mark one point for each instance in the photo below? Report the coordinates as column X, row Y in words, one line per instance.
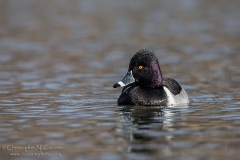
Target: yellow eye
column 140, row 67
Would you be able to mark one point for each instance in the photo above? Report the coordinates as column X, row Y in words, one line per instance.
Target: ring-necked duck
column 144, row 84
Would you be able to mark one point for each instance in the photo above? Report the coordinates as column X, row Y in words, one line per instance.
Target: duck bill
column 125, row 81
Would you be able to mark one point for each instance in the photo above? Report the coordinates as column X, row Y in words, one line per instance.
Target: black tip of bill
column 116, row 85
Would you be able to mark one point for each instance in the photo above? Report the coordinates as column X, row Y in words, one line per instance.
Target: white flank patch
column 181, row 98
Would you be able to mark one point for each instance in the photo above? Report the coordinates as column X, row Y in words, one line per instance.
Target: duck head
column 144, row 70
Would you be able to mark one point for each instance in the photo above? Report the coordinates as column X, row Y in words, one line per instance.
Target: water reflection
column 150, row 129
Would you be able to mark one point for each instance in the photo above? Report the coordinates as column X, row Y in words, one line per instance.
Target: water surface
column 59, row 60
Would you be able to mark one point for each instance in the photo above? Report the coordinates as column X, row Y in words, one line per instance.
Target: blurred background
column 101, row 35
column 59, row 60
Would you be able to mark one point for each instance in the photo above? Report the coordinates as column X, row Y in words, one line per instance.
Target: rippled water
column 59, row 60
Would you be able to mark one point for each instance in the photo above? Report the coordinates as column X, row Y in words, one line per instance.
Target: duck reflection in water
column 150, row 129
